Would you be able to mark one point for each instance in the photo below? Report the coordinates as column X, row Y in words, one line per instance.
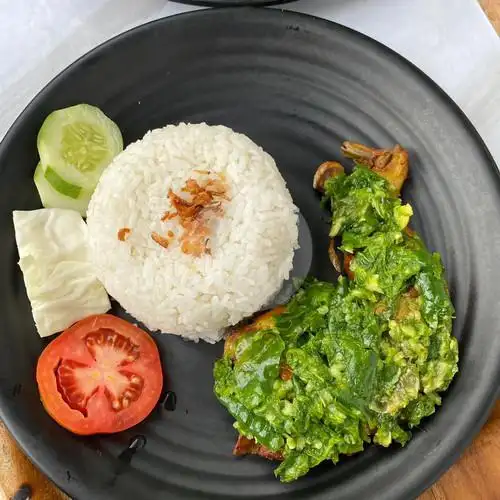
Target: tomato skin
column 100, row 417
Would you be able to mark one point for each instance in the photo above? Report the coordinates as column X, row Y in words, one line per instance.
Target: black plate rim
column 222, row 4
column 442, row 460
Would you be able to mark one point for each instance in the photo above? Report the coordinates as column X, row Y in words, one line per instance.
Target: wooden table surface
column 476, row 476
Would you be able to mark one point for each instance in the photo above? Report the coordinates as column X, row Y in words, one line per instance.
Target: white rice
column 252, row 246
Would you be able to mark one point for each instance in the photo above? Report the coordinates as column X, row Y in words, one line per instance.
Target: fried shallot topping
column 160, row 240
column 196, row 212
column 124, row 233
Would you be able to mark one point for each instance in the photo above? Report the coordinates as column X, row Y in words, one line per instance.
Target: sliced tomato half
column 101, row 375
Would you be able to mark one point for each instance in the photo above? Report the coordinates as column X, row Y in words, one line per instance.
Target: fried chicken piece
column 326, row 171
column 245, row 446
column 286, row 372
column 262, row 322
column 408, row 305
column 347, row 265
column 334, row 258
column 392, row 164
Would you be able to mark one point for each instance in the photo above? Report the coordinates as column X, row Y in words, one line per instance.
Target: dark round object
column 23, row 493
column 233, row 3
column 298, row 86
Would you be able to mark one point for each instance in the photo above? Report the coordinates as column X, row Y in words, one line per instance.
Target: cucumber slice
column 60, row 185
column 78, row 143
column 53, row 198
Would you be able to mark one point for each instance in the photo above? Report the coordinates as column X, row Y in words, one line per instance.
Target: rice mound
column 252, row 244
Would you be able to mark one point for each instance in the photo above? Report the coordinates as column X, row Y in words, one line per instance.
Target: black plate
column 298, row 86
column 233, row 3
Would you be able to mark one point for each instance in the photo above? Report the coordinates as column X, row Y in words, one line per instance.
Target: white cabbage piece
column 59, row 278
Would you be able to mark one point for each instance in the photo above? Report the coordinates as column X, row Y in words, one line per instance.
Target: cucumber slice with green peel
column 78, row 143
column 59, row 184
column 54, row 198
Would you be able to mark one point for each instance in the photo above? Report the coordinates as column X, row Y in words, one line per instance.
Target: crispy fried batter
column 325, row 171
column 334, row 258
column 286, row 372
column 392, row 164
column 245, row 446
column 347, row 265
column 261, row 322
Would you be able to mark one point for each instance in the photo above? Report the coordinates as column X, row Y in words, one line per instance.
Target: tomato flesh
column 101, row 375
